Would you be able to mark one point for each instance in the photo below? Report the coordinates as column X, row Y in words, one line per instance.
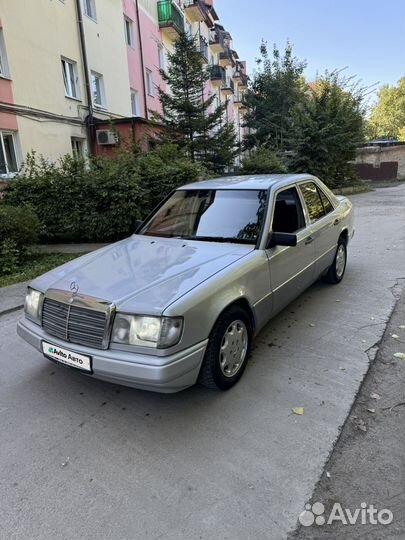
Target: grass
column 35, row 265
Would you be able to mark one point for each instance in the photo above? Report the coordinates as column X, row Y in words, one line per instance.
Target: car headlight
column 156, row 332
column 33, row 305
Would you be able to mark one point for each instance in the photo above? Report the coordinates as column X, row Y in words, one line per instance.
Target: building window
column 97, row 84
column 70, row 78
column 161, row 53
column 149, row 83
column 77, row 148
column 135, row 103
column 129, row 32
column 8, row 156
column 90, row 8
column 4, row 71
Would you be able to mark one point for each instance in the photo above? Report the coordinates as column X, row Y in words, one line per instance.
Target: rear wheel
column 337, row 269
column 227, row 351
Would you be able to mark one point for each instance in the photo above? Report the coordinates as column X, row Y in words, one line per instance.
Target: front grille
column 76, row 324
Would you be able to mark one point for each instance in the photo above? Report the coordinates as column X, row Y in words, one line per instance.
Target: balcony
column 217, row 75
column 243, row 83
column 196, row 10
column 170, row 17
column 217, row 41
column 202, row 48
column 228, row 88
column 226, row 58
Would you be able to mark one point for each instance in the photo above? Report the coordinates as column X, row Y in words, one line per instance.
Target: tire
column 230, row 340
column 338, row 267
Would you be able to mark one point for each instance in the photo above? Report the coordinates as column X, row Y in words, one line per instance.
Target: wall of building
column 35, row 43
column 42, row 117
column 381, row 163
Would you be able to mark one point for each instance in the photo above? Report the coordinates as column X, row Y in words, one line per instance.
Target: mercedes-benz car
column 180, row 301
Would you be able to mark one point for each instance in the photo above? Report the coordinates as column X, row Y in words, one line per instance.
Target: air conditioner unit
column 106, row 137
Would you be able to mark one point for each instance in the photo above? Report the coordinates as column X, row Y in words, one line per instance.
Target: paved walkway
column 12, row 297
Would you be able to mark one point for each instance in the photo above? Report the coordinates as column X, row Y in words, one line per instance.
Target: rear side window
column 313, row 201
column 327, row 205
column 288, row 215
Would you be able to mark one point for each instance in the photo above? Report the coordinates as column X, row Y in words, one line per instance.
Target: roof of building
column 264, row 181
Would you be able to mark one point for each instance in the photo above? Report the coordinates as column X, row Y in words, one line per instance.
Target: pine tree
column 191, row 119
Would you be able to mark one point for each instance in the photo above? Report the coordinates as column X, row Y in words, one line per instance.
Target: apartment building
column 74, row 73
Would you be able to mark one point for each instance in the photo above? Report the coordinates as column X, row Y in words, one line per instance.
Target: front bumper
column 165, row 374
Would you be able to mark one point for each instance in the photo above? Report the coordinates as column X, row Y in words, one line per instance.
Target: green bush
column 18, row 224
column 98, row 200
column 19, row 228
column 262, row 161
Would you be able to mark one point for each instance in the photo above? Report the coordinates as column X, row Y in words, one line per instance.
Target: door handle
column 336, row 222
column 309, row 240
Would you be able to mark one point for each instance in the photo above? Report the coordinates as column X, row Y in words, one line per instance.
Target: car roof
column 262, row 181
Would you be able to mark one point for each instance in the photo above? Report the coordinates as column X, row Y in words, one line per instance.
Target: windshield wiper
column 224, row 239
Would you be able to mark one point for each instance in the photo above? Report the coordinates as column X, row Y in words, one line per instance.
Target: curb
column 11, row 310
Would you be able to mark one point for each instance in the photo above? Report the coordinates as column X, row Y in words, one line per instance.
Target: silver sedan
column 180, row 301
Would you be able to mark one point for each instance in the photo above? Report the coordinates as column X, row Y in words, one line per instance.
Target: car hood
column 143, row 274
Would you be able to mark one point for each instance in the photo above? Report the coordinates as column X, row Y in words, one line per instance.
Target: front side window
column 210, row 215
column 149, row 83
column 288, row 216
column 98, row 89
column 8, row 156
column 313, row 201
column 70, row 78
column 129, row 33
column 3, row 57
column 90, row 8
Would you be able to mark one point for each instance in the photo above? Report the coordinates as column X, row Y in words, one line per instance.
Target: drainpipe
column 142, row 63
column 90, row 123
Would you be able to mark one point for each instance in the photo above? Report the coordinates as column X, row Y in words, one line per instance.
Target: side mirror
column 137, row 225
column 281, row 239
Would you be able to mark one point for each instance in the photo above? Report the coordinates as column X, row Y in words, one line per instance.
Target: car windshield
column 210, row 215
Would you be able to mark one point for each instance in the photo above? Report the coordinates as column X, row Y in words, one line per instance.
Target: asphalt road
column 83, row 459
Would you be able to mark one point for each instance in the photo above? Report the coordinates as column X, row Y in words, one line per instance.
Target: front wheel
column 337, row 268
column 227, row 351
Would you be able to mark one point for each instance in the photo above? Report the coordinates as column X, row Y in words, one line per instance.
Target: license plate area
column 67, row 357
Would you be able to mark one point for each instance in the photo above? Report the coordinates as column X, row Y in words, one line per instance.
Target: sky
column 366, row 36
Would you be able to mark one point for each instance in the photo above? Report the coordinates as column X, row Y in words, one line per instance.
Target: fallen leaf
column 395, row 336
column 298, row 410
column 372, row 411
column 400, row 355
column 362, row 428
column 375, row 396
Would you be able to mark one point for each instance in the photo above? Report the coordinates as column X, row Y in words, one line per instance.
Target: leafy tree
column 328, row 128
column 387, row 118
column 191, row 119
column 262, row 161
column 277, row 87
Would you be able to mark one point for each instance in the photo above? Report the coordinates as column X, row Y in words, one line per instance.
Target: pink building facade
column 151, row 28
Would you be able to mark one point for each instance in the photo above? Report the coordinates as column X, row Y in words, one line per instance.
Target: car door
column 323, row 221
column 291, row 268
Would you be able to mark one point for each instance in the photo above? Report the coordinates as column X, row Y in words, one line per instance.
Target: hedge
column 100, row 199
